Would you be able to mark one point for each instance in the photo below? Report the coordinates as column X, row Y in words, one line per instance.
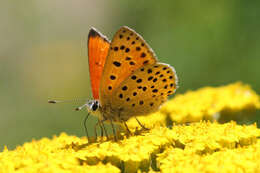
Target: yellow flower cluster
column 209, row 103
column 240, row 159
column 196, row 147
column 49, row 155
column 161, row 149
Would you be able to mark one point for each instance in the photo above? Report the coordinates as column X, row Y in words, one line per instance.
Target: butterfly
column 126, row 78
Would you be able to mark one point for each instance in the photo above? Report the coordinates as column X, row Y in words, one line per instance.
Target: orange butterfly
column 126, row 78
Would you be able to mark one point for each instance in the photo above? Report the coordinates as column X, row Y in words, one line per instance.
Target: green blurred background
column 43, row 53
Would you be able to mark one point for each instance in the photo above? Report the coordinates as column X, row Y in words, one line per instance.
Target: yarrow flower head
column 171, row 145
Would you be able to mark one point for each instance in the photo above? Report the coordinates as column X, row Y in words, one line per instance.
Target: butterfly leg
column 143, row 127
column 85, row 125
column 114, row 130
column 103, row 125
column 128, row 131
column 101, row 129
column 95, row 130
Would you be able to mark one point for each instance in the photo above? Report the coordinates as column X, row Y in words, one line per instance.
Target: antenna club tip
column 77, row 109
column 52, row 101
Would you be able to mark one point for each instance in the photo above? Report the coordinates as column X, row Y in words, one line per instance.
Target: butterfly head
column 93, row 107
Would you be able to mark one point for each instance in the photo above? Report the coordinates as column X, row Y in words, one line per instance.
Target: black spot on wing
column 117, row 64
column 143, row 55
column 112, row 77
column 127, row 58
column 133, row 77
column 155, row 90
column 115, row 48
column 124, row 88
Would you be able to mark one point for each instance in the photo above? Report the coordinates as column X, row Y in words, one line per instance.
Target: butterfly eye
column 95, row 106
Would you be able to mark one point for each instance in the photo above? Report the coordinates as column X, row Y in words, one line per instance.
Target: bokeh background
column 43, row 53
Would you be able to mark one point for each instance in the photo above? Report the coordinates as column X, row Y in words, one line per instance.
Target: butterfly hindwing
column 128, row 52
column 145, row 90
column 98, row 46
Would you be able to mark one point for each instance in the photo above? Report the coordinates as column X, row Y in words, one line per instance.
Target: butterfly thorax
column 115, row 114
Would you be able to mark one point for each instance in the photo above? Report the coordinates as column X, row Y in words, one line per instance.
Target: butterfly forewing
column 128, row 52
column 145, row 90
column 98, row 46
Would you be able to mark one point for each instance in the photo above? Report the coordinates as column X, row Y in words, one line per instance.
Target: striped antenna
column 70, row 101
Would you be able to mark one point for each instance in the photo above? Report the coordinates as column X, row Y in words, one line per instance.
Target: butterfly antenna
column 70, row 101
column 67, row 101
column 52, row 101
column 80, row 107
